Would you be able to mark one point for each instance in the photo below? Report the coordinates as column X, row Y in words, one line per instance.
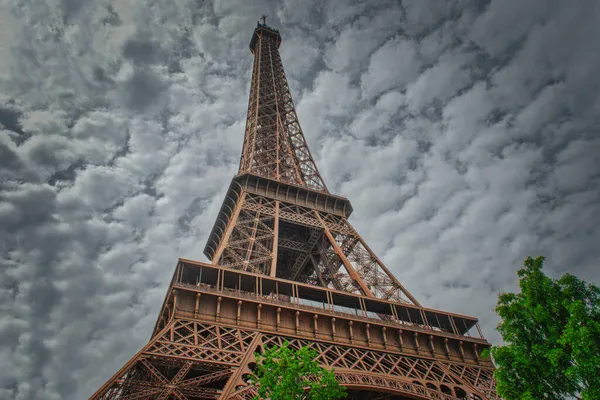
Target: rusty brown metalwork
column 288, row 266
column 274, row 145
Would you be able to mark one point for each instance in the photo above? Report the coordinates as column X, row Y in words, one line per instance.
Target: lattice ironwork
column 274, row 145
column 250, row 244
column 279, row 221
column 183, row 361
column 330, row 253
column 407, row 370
column 192, row 359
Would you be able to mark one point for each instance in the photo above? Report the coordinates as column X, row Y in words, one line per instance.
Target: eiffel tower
column 288, row 266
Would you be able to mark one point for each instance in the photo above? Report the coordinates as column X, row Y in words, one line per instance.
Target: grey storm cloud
column 464, row 132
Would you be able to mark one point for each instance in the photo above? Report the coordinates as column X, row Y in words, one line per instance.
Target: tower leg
column 232, row 385
column 187, row 359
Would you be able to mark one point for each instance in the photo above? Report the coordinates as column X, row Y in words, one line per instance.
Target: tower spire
column 274, row 144
column 306, row 237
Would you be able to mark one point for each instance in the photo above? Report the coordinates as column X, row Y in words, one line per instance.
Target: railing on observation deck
column 297, row 303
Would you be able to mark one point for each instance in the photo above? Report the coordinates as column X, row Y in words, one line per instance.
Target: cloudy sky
column 465, row 133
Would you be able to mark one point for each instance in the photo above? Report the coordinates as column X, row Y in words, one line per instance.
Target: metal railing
column 393, row 323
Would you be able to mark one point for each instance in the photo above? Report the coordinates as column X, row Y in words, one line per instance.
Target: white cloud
column 422, row 15
column 370, row 121
column 333, row 96
column 490, row 29
column 392, row 66
column 440, row 82
column 299, row 55
column 358, row 40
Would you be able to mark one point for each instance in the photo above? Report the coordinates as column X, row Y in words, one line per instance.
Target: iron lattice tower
column 287, row 265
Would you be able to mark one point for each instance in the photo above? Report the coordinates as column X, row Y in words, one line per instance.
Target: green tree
column 552, row 335
column 287, row 374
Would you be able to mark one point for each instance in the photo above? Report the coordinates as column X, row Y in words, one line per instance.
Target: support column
column 258, row 316
column 239, row 312
column 431, row 345
column 236, row 378
column 229, row 229
column 350, row 323
column 400, row 340
column 197, row 304
column 275, row 240
column 218, row 313
column 333, row 328
column 416, row 336
column 383, row 333
column 351, row 271
column 278, row 318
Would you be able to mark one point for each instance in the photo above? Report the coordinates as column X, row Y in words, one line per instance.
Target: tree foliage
column 287, row 374
column 552, row 334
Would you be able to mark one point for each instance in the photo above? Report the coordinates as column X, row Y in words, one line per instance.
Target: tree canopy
column 552, row 335
column 284, row 373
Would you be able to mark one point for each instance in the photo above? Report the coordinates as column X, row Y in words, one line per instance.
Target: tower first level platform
column 221, row 317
